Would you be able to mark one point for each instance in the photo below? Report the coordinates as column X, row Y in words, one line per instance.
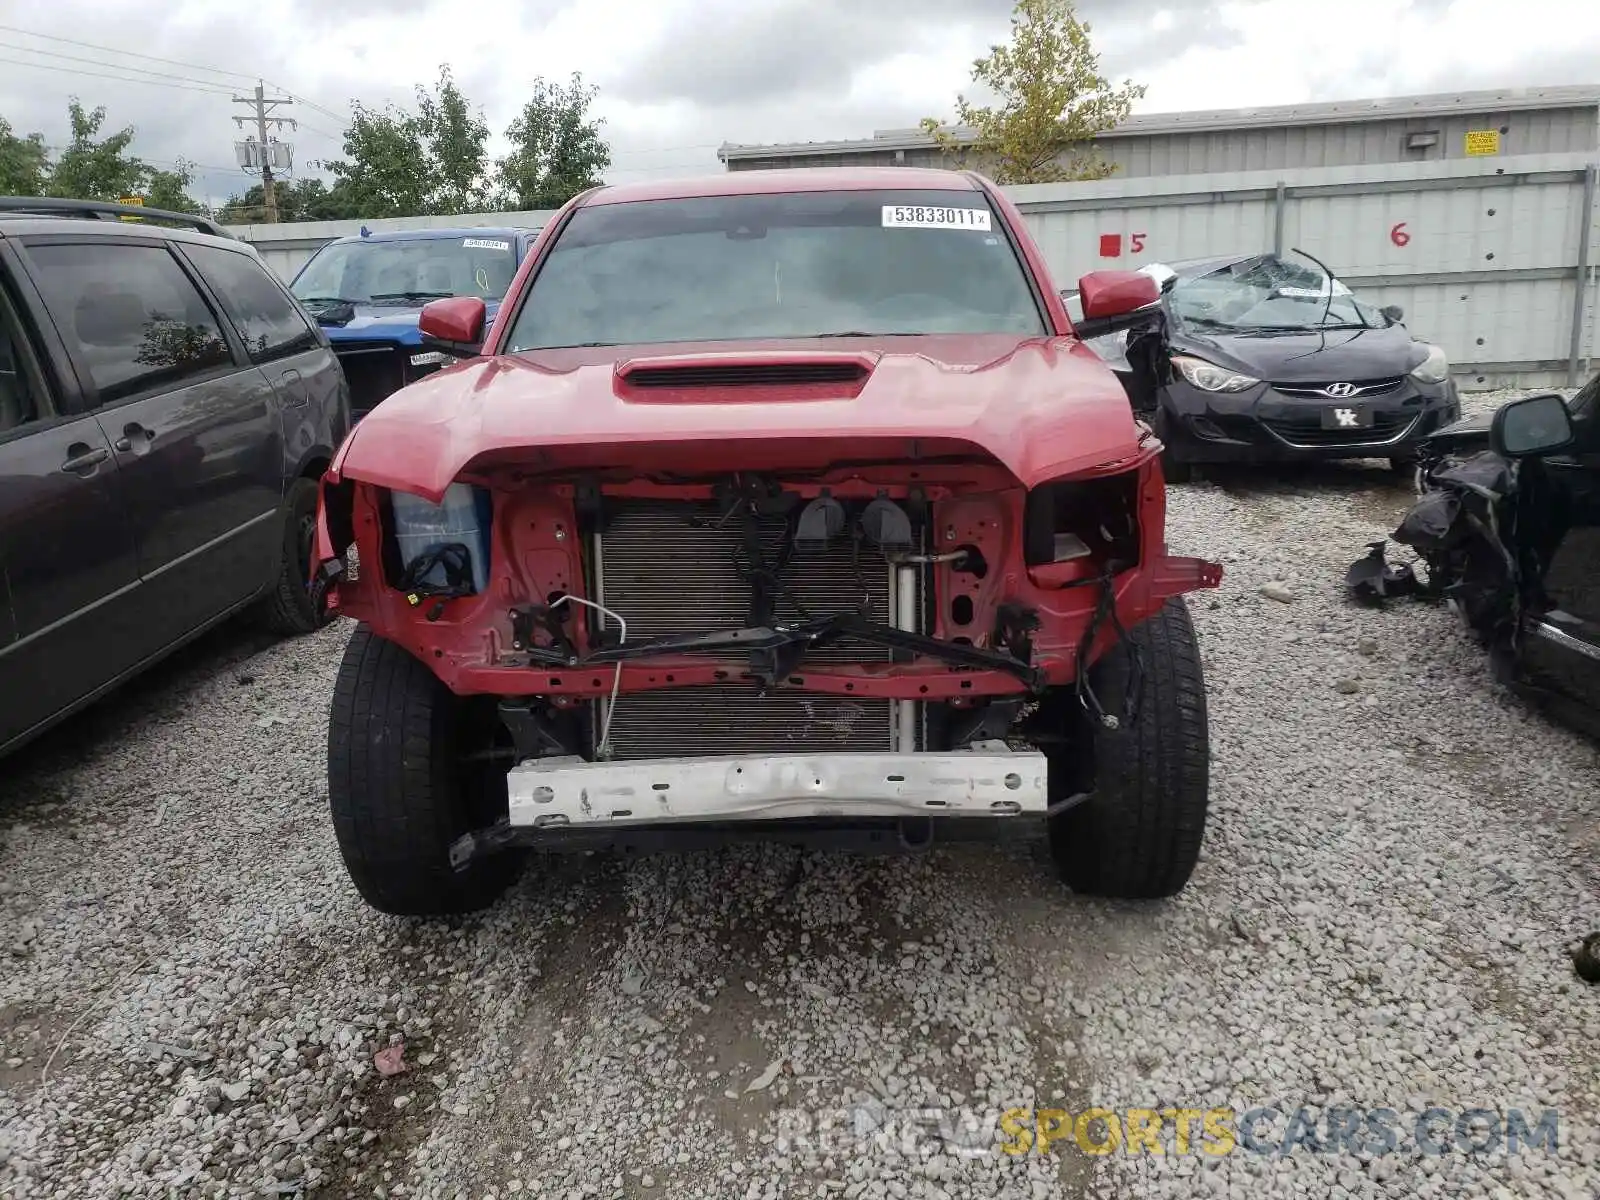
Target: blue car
column 368, row 291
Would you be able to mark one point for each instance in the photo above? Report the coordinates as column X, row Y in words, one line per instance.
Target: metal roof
column 819, row 179
column 1146, row 124
column 423, row 235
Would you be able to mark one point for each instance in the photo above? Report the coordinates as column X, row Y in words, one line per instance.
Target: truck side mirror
column 1116, row 300
column 454, row 325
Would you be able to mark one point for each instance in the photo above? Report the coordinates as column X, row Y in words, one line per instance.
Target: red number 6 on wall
column 1398, row 234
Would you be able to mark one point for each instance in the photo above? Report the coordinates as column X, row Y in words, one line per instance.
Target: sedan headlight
column 1209, row 377
column 1433, row 369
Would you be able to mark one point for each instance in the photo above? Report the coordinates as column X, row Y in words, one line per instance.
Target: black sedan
column 1265, row 359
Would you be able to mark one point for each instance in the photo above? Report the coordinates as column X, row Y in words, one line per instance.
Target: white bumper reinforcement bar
column 567, row 792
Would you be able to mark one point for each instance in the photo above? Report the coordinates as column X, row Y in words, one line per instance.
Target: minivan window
column 791, row 265
column 264, row 316
column 130, row 314
column 18, row 404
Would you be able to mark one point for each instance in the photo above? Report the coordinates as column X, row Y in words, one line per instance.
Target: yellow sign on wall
column 1482, row 142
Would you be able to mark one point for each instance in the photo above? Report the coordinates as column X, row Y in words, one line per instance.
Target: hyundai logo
column 1340, row 390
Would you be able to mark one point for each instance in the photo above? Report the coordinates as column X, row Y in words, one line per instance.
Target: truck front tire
column 1138, row 834
column 407, row 776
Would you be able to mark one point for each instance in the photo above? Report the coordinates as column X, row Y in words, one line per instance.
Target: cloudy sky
column 679, row 77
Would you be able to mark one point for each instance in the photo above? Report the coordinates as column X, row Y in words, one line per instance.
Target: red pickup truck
column 778, row 504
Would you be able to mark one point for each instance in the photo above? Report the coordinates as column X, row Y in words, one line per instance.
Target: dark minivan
column 166, row 408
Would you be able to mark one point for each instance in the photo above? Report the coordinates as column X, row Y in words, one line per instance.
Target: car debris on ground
column 1507, row 530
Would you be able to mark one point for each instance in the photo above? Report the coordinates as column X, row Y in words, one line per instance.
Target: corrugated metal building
column 1549, row 120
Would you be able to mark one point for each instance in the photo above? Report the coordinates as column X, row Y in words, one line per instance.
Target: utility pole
column 260, row 119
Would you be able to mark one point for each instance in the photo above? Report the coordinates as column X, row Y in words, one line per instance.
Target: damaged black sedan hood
column 1309, row 356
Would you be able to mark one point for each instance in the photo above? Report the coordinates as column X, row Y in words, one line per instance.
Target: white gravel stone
column 1381, row 918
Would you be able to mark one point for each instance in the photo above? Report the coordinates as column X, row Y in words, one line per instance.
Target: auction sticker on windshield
column 910, row 216
column 485, row 244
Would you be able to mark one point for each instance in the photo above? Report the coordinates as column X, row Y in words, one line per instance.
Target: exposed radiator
column 667, row 567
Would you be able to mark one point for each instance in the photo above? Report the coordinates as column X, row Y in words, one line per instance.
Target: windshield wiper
column 326, row 300
column 412, row 295
column 1267, row 329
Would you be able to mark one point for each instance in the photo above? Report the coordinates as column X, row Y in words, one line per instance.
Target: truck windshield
column 409, row 272
column 793, row 265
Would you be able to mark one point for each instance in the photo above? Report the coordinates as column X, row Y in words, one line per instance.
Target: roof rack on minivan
column 51, row 206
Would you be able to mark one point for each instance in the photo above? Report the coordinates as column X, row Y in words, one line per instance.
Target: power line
column 671, row 149
column 184, row 87
column 94, row 62
column 171, row 62
column 311, row 104
column 313, row 129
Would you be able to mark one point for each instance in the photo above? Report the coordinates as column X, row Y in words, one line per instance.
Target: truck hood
column 1042, row 407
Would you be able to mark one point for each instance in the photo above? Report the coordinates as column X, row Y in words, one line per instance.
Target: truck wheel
column 408, row 775
column 1138, row 835
column 287, row 608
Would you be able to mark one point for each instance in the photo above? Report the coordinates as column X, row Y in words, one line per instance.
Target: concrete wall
column 286, row 247
column 1491, row 258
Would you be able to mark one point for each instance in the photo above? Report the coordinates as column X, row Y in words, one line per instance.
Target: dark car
column 165, row 411
column 1266, row 359
column 1509, row 526
column 368, row 291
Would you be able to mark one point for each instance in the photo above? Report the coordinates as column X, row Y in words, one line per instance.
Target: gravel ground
column 1400, row 854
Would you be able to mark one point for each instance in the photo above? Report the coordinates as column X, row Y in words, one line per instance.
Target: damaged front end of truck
column 788, row 507
column 865, row 637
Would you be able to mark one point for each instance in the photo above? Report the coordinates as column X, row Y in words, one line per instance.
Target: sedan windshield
column 1268, row 295
column 409, row 272
column 794, row 265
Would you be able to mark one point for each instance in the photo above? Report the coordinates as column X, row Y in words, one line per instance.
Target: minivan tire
column 288, row 608
column 406, row 778
column 1137, row 836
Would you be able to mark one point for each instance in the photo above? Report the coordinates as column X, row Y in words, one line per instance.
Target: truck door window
column 267, row 322
column 130, row 314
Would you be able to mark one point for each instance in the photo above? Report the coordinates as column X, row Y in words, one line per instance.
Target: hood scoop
column 735, row 377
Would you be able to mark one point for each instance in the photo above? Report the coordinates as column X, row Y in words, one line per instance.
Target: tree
column 384, row 173
column 1053, row 101
column 556, row 149
column 401, row 164
column 456, row 144
column 24, row 163
column 170, row 189
column 91, row 169
column 302, row 200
